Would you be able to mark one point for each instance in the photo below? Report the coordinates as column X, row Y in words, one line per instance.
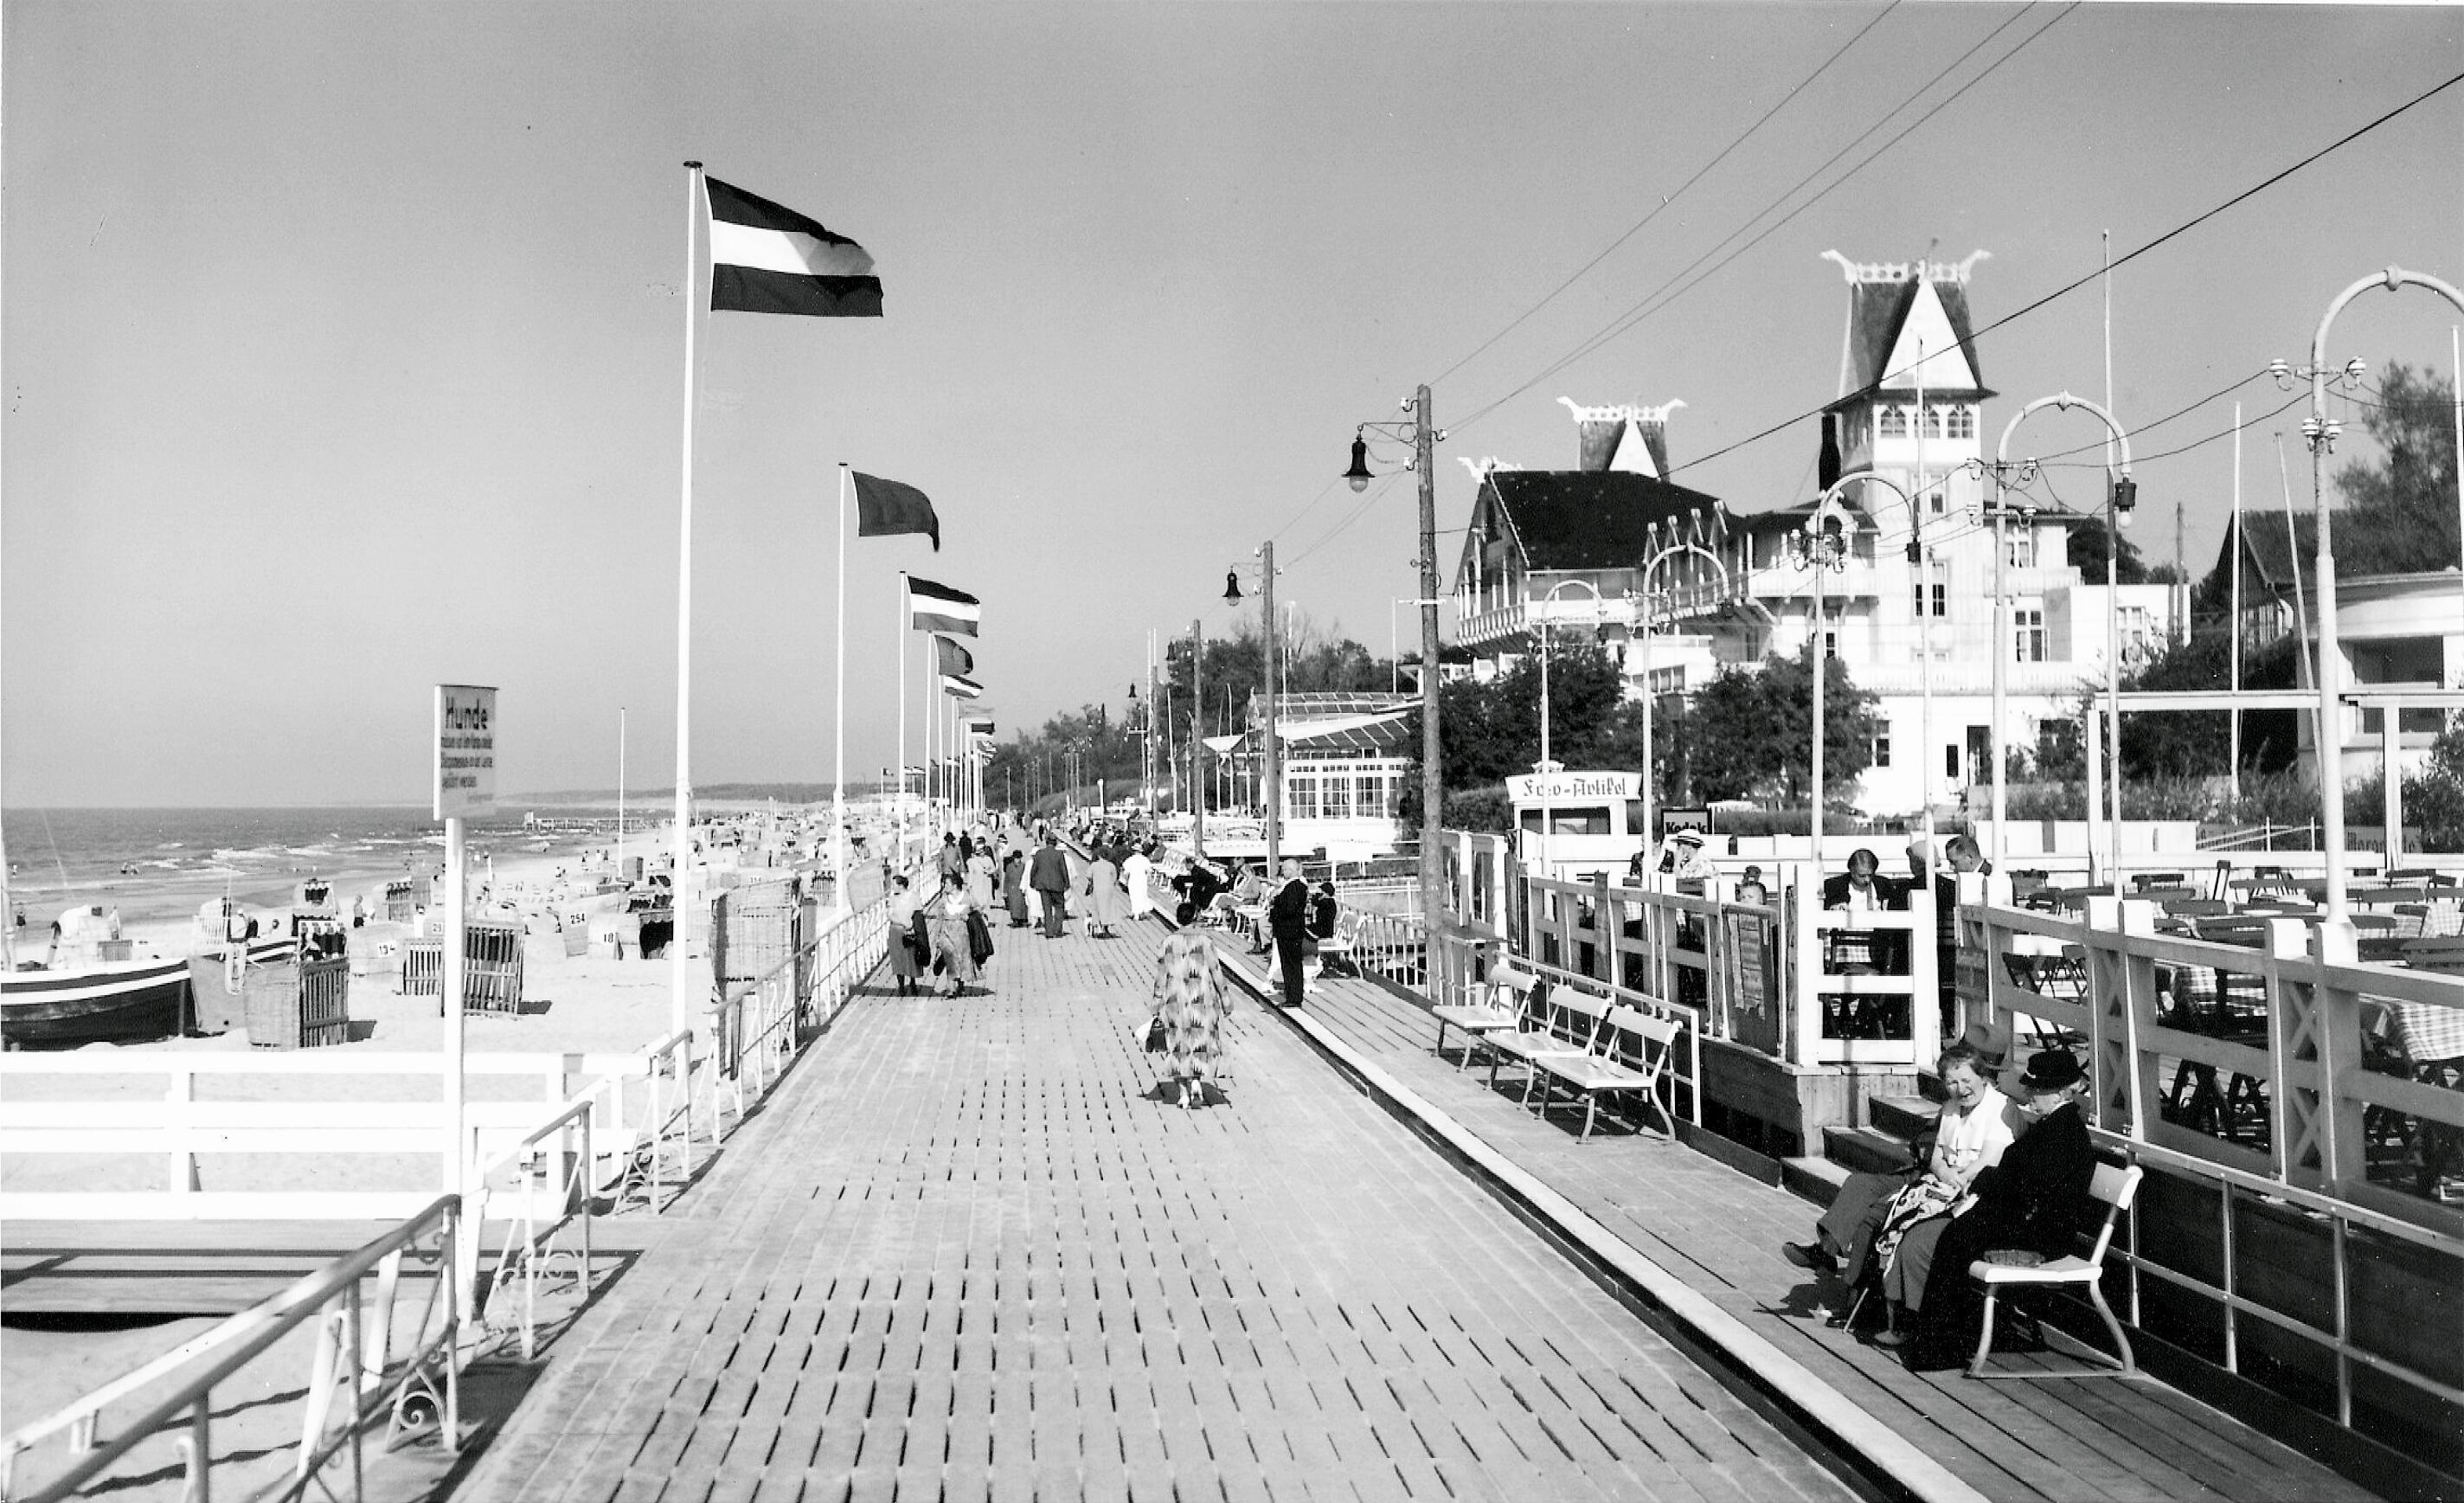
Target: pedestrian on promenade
column 1137, row 877
column 982, row 877
column 1102, row 894
column 1014, row 887
column 905, row 963
column 1049, row 877
column 1287, row 919
column 2029, row 1202
column 945, row 917
column 1193, row 1003
column 949, row 859
column 1872, row 1213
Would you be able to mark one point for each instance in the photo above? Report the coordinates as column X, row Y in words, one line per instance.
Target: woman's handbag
column 1156, row 1038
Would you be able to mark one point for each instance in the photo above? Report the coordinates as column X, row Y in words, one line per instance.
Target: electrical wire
column 1670, row 198
column 2067, row 287
column 2150, row 427
column 2184, row 449
column 1633, row 316
column 1662, row 297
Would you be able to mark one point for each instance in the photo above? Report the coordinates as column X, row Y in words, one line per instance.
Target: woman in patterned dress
column 1190, row 998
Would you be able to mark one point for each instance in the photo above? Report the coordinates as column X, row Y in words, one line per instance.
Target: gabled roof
column 1573, row 519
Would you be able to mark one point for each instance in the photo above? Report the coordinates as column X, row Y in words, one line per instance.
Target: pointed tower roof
column 1907, row 319
column 1622, row 440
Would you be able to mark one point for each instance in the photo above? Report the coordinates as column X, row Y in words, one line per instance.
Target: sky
column 345, row 346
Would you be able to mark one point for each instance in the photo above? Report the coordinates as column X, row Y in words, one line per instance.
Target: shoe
column 1810, row 1255
column 1891, row 1341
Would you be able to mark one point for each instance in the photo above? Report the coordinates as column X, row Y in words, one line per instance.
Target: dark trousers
column 1056, row 908
column 1287, row 948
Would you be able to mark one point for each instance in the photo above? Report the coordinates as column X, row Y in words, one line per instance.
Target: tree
column 1751, row 730
column 2085, row 553
column 2403, row 506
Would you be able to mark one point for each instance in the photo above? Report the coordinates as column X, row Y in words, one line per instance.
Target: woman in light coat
column 1104, row 898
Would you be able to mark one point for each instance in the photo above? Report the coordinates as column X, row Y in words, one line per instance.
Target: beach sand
column 572, row 1005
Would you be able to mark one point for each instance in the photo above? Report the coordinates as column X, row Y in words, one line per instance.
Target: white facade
column 1912, row 412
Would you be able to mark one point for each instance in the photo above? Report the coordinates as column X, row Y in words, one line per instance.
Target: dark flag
column 886, row 507
column 765, row 257
column 954, row 658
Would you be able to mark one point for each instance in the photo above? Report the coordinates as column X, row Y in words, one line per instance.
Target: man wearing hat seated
column 2027, row 1204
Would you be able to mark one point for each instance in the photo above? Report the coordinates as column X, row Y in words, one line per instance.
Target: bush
column 1487, row 811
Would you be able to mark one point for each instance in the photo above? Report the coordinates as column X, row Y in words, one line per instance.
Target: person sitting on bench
column 1857, row 1237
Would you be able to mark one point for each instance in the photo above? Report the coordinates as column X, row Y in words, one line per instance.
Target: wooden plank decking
column 961, row 1254
column 1720, row 1230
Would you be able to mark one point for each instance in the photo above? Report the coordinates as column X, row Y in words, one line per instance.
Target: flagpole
column 900, row 839
column 838, row 753
column 931, row 743
column 680, row 1014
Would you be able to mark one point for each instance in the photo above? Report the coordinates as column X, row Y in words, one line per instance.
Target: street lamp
column 1650, row 793
column 2005, row 643
column 1546, row 766
column 1270, row 791
column 1424, row 436
column 1822, row 544
column 2320, row 434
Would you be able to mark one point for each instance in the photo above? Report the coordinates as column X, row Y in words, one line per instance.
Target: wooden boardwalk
column 1720, row 1232
column 961, row 1254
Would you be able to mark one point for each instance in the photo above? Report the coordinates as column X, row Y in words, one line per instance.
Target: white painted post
column 1802, row 905
column 178, row 1099
column 1924, row 976
column 2336, row 1026
column 2391, row 775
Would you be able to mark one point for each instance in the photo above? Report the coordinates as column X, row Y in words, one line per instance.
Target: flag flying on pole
column 950, row 657
column 980, row 724
column 938, row 608
column 963, row 688
column 885, row 507
column 765, row 257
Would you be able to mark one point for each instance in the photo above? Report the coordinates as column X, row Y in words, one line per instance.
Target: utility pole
column 1197, row 736
column 1424, row 459
column 1272, row 795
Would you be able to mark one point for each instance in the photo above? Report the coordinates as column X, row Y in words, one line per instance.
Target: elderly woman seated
column 1873, row 1213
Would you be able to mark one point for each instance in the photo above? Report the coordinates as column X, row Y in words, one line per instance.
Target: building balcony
column 1571, row 610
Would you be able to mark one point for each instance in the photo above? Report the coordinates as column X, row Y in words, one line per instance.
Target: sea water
column 151, row 861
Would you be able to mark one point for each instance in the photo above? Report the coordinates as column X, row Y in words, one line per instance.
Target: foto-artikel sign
column 1532, row 787
column 466, row 750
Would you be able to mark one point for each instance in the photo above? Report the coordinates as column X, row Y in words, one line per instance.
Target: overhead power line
column 1662, row 297
column 1670, row 198
column 2067, row 287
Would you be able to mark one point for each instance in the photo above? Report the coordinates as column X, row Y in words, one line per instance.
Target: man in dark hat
column 2030, row 1202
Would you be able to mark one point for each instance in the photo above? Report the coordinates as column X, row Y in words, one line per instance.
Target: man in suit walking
column 1049, row 877
column 1287, row 919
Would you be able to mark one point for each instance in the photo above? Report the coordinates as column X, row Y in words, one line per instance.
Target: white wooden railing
column 2255, row 1077
column 354, row 1375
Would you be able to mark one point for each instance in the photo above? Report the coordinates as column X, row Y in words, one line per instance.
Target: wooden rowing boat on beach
column 113, row 1002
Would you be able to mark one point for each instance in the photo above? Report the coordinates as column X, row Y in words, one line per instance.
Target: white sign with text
column 466, row 750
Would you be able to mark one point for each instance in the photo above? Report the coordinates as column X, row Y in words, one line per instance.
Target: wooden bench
column 1537, row 1032
column 1500, row 1009
column 1628, row 1052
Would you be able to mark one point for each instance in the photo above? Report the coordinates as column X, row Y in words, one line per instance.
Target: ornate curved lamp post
column 1424, row 436
column 1822, row 546
column 2321, row 436
column 1650, row 768
column 2120, row 497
